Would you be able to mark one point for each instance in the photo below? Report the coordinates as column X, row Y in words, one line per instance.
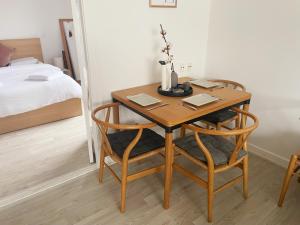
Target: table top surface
column 175, row 113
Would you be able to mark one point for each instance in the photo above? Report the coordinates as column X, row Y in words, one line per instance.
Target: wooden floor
column 32, row 156
column 85, row 202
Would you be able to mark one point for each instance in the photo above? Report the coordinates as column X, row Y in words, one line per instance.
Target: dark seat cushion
column 219, row 147
column 220, row 116
column 149, row 141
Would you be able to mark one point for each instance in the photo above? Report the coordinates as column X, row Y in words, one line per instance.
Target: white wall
column 257, row 42
column 35, row 18
column 124, row 41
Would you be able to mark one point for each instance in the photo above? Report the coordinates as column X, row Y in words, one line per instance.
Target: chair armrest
column 201, row 130
column 130, row 126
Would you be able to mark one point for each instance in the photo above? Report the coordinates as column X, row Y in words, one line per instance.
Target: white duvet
column 19, row 95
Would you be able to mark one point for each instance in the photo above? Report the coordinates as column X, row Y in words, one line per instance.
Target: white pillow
column 24, row 61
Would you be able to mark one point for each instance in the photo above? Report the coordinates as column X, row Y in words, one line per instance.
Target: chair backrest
column 298, row 155
column 104, row 125
column 297, row 170
column 230, row 84
column 241, row 135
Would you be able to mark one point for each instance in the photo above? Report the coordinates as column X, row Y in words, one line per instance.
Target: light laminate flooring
column 32, row 156
column 84, row 202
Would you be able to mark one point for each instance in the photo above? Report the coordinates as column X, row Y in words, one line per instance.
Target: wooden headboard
column 30, row 47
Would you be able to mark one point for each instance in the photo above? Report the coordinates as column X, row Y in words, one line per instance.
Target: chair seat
column 149, row 141
column 219, row 147
column 220, row 116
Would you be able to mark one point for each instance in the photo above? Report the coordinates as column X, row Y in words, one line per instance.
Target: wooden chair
column 126, row 145
column 224, row 117
column 210, row 150
column 294, row 167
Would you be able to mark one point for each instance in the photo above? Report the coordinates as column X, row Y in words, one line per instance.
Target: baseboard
column 268, row 155
column 33, row 191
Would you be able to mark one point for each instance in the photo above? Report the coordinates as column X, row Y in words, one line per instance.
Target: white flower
column 169, row 45
column 171, row 58
column 163, row 32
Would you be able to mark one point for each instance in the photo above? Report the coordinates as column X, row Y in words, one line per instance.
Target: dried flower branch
column 168, row 47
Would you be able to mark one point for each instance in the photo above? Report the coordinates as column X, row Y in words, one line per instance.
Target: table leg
column 244, row 123
column 168, row 169
column 116, row 115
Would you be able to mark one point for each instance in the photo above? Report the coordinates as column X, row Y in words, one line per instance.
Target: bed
column 25, row 103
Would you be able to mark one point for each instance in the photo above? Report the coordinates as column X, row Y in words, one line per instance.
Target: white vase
column 165, row 77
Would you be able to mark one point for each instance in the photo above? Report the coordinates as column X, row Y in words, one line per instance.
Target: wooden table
column 173, row 115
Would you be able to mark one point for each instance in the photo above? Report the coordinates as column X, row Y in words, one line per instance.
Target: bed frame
column 54, row 112
column 25, row 48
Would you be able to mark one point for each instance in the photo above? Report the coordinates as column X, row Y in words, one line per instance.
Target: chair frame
column 293, row 168
column 106, row 149
column 223, row 124
column 241, row 137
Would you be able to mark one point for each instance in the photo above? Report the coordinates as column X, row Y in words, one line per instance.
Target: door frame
column 85, row 75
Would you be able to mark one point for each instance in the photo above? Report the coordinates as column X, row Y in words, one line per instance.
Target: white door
column 84, row 73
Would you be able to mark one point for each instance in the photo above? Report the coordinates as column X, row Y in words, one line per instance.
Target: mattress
column 19, row 95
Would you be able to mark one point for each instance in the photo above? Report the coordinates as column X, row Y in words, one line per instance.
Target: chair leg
column 245, row 176
column 210, row 196
column 124, row 185
column 237, row 123
column 101, row 168
column 219, row 125
column 287, row 179
column 182, row 132
column 237, row 126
